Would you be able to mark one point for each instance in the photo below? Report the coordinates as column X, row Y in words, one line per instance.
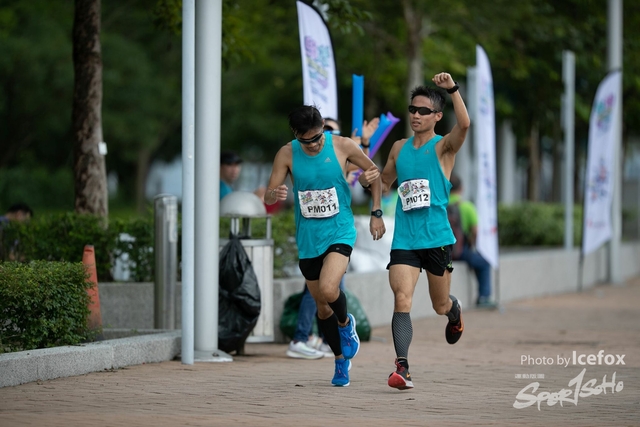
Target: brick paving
column 474, row 382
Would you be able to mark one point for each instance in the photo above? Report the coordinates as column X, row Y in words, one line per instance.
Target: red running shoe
column 401, row 378
column 453, row 330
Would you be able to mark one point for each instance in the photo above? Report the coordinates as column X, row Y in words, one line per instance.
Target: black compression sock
column 329, row 328
column 402, row 331
column 339, row 307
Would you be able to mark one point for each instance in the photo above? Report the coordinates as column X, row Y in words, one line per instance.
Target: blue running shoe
column 349, row 340
column 341, row 375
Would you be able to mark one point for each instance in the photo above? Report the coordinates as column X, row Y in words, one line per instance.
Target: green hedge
column 536, row 224
column 61, row 237
column 43, row 304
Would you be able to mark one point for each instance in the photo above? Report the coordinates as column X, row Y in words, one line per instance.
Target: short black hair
column 229, row 158
column 328, row 126
column 436, row 96
column 20, row 207
column 305, row 118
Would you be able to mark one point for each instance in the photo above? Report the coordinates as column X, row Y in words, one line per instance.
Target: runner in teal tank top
column 422, row 236
column 322, row 194
column 423, row 193
column 325, row 231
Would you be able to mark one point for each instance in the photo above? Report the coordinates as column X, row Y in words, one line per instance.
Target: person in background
column 230, row 166
column 17, row 212
column 469, row 223
column 332, row 126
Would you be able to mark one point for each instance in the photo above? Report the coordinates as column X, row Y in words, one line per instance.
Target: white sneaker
column 325, row 349
column 314, row 342
column 300, row 350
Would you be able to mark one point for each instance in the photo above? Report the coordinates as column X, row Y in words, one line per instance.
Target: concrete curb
column 49, row 363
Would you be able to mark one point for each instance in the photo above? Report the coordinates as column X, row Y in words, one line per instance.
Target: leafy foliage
column 536, row 224
column 261, row 79
column 43, row 304
column 37, row 187
column 60, row 237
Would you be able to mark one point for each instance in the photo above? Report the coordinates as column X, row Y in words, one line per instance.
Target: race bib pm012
column 415, row 194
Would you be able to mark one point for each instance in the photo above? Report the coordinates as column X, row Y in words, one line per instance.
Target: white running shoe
column 314, row 341
column 325, row 349
column 300, row 350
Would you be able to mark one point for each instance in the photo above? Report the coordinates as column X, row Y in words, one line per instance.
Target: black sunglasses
column 423, row 111
column 312, row 140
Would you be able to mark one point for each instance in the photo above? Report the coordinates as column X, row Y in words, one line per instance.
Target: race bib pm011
column 319, row 203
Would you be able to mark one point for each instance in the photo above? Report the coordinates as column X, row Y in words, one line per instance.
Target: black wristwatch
column 454, row 89
column 377, row 213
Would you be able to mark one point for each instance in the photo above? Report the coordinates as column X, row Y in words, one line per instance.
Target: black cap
column 229, row 158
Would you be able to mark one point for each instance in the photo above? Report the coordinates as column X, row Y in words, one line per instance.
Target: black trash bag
column 239, row 296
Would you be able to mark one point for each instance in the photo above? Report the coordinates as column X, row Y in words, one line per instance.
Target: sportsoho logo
column 577, row 387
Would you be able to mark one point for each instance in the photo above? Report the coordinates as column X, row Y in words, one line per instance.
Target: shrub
column 43, row 304
column 61, row 237
column 536, row 224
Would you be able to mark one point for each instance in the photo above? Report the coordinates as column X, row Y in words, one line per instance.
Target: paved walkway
column 475, row 382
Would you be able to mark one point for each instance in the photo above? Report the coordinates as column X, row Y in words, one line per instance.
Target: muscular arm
column 389, row 173
column 357, row 157
column 454, row 139
column 451, row 142
column 368, row 129
column 276, row 190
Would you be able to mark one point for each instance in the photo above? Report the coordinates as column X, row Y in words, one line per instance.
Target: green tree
column 387, row 42
column 142, row 82
column 36, row 77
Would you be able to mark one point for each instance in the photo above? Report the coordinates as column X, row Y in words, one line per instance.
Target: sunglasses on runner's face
column 312, row 140
column 423, row 111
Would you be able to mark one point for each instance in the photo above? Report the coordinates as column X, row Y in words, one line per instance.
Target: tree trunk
column 415, row 76
column 533, row 179
column 89, row 165
column 142, row 170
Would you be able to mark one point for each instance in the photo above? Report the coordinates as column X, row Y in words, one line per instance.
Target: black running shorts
column 310, row 267
column 434, row 260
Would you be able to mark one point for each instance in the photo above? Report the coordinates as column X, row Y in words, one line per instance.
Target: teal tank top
column 322, row 201
column 423, row 191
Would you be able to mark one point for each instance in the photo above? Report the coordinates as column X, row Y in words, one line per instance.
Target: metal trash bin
column 243, row 207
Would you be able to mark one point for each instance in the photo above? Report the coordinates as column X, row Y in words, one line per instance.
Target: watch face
column 377, row 213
